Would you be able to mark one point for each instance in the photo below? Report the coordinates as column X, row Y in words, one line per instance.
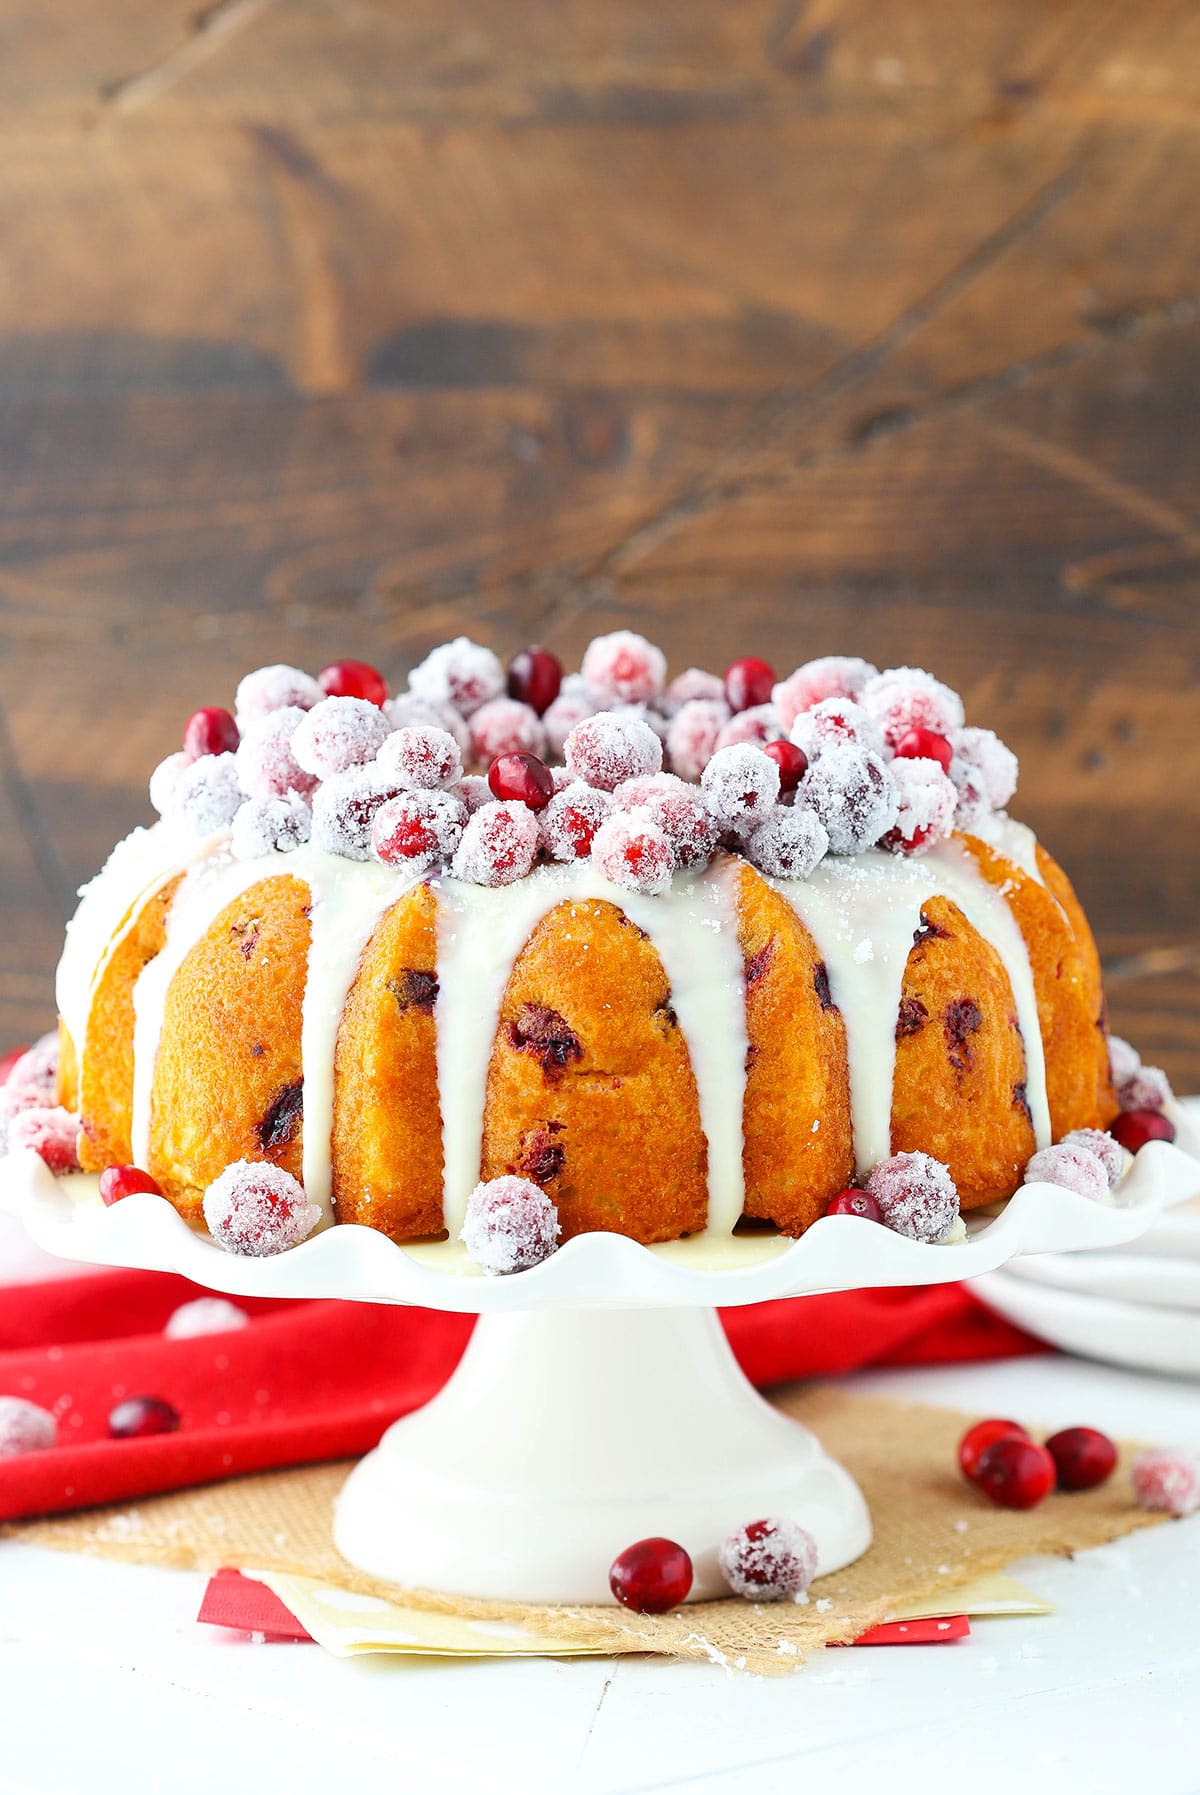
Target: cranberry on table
column 652, row 1576
column 1085, row 1457
column 977, row 1439
column 523, row 778
column 140, row 1416
column 791, row 761
column 748, row 682
column 855, row 1202
column 1137, row 1126
column 353, row 679
column 117, row 1182
column 1016, row 1473
column 534, row 678
column 925, row 744
column 210, row 731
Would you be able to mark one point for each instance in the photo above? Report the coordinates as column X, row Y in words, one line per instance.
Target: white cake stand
column 598, row 1402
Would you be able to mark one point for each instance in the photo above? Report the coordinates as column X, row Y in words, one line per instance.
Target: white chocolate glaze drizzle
column 481, row 932
column 862, row 913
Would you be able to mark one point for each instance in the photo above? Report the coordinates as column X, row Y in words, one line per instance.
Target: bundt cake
column 514, row 956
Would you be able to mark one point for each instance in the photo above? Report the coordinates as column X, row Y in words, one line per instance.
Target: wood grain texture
column 332, row 326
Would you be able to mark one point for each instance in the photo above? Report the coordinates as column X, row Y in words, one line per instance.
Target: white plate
column 1145, row 1336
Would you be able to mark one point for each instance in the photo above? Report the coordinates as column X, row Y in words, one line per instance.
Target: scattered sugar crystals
column 24, row 1427
column 510, row 1225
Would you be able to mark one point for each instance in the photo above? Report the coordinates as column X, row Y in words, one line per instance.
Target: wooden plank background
column 337, row 326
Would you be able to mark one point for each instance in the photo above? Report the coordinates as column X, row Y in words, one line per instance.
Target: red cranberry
column 651, row 1576
column 748, row 682
column 210, row 731
column 353, row 679
column 125, row 1181
column 925, row 744
column 140, row 1416
column 1084, row 1457
column 9, row 1061
column 1137, row 1126
column 1016, row 1473
column 977, row 1439
column 522, row 777
column 534, row 677
column 791, row 761
column 855, row 1202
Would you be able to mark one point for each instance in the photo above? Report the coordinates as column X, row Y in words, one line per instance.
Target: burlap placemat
column 932, row 1535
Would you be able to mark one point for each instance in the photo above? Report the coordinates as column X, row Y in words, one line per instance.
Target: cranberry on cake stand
column 598, row 1402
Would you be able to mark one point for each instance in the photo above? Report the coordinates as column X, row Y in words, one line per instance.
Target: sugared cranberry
column 1137, row 1126
column 140, row 1416
column 748, row 682
column 523, row 778
column 977, row 1439
column 1167, row 1481
column 24, row 1427
column 418, row 829
column 769, row 1560
column 652, row 1576
column 210, row 731
column 258, row 1209
column 9, row 1061
column 117, row 1182
column 534, row 678
column 1016, row 1473
column 1084, row 1457
column 353, row 679
column 855, row 1202
column 925, row 744
column 510, row 1225
column 791, row 761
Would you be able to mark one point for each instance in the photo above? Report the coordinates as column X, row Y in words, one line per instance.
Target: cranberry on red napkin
column 320, row 1380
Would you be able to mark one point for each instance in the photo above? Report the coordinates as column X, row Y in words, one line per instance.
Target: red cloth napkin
column 320, row 1380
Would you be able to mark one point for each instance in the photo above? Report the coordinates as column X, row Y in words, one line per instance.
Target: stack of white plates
column 1134, row 1305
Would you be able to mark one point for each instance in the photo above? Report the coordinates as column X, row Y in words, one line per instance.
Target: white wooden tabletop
column 108, row 1684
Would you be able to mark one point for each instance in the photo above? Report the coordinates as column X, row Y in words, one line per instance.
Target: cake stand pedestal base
column 567, row 1434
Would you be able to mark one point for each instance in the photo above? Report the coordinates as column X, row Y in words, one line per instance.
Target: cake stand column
column 565, row 1435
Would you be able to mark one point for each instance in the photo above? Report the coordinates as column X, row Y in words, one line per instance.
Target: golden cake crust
column 387, row 1135
column 590, row 1092
column 228, row 1079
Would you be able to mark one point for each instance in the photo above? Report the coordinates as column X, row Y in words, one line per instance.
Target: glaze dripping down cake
column 660, row 956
